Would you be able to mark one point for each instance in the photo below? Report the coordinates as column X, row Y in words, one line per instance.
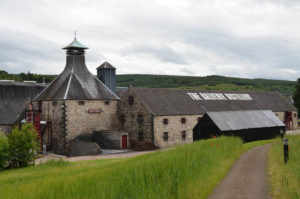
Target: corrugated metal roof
column 238, row 120
column 76, row 83
column 13, row 99
column 106, row 65
column 179, row 101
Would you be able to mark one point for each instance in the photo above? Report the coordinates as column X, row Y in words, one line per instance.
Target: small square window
column 106, row 102
column 166, row 136
column 183, row 120
column 130, row 100
column 183, row 135
column 54, row 103
column 165, row 121
column 81, row 102
column 141, row 136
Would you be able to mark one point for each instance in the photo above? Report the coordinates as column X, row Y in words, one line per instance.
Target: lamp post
column 285, row 150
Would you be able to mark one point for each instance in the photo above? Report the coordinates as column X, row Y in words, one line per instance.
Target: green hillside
column 206, row 83
column 213, row 82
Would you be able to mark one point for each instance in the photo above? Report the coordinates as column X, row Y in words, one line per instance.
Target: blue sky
column 241, row 38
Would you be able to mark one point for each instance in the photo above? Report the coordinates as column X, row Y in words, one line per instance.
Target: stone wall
column 108, row 139
column 174, row 128
column 53, row 113
column 68, row 119
column 294, row 124
column 93, row 115
column 135, row 118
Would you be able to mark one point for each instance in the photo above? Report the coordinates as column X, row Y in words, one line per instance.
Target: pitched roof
column 197, row 102
column 76, row 83
column 238, row 120
column 106, row 65
column 13, row 99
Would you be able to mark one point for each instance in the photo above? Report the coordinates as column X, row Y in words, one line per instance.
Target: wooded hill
column 213, row 82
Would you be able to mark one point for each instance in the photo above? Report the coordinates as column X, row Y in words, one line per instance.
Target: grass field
column 188, row 171
column 285, row 178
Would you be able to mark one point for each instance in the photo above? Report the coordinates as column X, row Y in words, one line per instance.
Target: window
column 130, row 100
column 295, row 115
column 183, row 120
column 165, row 121
column 54, row 103
column 140, row 119
column 40, row 104
column 183, row 135
column 81, row 102
column 106, row 102
column 141, row 136
column 166, row 136
column 122, row 119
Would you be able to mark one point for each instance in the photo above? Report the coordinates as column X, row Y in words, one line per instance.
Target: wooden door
column 124, row 141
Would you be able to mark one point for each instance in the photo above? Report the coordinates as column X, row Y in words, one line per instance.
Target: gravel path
column 128, row 154
column 247, row 178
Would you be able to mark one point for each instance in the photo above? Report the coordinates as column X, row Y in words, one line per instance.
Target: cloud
column 162, row 53
column 247, row 38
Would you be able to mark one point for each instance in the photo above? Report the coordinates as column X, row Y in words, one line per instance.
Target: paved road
column 248, row 177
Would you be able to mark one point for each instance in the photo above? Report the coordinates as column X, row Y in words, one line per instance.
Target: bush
column 23, row 145
column 3, row 150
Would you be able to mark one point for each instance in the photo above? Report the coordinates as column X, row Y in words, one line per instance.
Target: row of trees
column 19, row 148
column 26, row 77
column 296, row 96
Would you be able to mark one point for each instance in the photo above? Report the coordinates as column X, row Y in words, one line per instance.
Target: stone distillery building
column 78, row 111
column 75, row 103
column 167, row 117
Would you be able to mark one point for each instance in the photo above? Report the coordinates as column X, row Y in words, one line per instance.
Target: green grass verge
column 285, row 178
column 188, row 171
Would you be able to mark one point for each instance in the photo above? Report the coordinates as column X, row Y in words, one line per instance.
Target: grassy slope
column 189, row 171
column 213, row 82
column 285, row 178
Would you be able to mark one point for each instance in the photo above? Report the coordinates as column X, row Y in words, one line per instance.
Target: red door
column 124, row 141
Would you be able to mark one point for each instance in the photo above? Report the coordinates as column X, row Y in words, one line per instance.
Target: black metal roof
column 191, row 102
column 106, row 65
column 13, row 99
column 76, row 83
column 239, row 120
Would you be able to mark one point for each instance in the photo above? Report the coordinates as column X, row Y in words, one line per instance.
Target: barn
column 167, row 117
column 248, row 125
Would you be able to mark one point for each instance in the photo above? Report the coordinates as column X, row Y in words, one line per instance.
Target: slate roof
column 76, row 83
column 238, row 120
column 179, row 102
column 106, row 65
column 13, row 99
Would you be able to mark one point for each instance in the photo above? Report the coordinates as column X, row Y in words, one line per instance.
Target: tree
column 296, row 96
column 3, row 150
column 23, row 145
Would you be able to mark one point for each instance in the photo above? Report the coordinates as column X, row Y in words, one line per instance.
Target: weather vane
column 75, row 33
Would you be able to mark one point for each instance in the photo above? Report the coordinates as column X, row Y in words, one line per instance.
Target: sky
column 240, row 38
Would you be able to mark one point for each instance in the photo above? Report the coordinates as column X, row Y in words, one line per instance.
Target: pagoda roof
column 75, row 44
